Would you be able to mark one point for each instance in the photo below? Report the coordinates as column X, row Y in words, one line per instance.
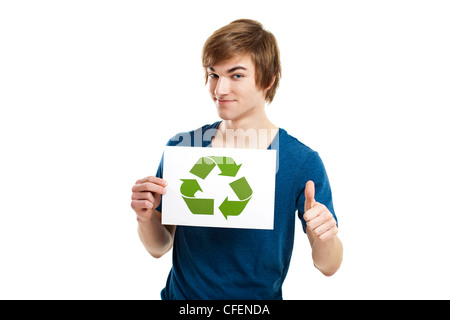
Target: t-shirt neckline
column 273, row 144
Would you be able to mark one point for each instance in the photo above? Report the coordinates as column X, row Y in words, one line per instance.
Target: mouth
column 224, row 101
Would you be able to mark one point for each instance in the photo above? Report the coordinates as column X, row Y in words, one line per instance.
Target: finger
column 329, row 234
column 324, row 227
column 317, row 221
column 141, row 204
column 318, row 215
column 142, row 196
column 148, row 186
column 313, row 212
column 309, row 195
column 152, row 179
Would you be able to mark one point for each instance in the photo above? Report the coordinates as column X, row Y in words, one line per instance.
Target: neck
column 249, row 132
column 256, row 121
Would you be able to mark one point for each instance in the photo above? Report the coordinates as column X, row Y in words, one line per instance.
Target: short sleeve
column 315, row 170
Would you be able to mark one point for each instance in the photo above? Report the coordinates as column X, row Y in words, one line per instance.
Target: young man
column 242, row 66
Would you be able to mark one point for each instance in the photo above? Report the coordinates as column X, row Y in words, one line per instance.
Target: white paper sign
column 219, row 187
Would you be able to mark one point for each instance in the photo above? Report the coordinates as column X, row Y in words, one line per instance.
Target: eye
column 213, row 75
column 238, row 76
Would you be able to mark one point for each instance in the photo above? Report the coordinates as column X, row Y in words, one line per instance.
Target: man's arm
column 327, row 249
column 146, row 195
column 156, row 238
column 327, row 255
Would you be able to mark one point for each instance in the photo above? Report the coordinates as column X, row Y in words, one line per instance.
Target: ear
column 271, row 83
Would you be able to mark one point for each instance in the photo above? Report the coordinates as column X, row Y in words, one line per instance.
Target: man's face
column 233, row 88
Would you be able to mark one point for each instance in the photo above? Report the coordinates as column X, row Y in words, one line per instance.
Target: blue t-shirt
column 245, row 264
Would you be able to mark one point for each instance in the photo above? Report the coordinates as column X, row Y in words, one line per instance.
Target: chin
column 225, row 114
column 229, row 112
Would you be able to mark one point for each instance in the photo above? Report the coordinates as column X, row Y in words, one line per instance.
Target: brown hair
column 246, row 36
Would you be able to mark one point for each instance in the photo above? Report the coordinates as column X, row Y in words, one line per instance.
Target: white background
column 90, row 92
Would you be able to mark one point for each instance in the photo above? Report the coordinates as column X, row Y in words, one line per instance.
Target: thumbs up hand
column 318, row 218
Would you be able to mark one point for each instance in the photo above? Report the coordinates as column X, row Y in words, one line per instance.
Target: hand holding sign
column 146, row 196
column 317, row 216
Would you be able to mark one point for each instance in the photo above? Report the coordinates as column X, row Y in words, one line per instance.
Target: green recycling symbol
column 202, row 169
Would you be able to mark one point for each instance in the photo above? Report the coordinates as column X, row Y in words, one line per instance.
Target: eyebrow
column 231, row 70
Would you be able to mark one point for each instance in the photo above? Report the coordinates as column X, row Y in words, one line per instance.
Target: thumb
column 309, row 195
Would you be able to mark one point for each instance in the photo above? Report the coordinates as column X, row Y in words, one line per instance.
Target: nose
column 222, row 87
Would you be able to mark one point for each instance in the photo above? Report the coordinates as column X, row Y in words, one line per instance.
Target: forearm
column 328, row 258
column 156, row 238
column 327, row 255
